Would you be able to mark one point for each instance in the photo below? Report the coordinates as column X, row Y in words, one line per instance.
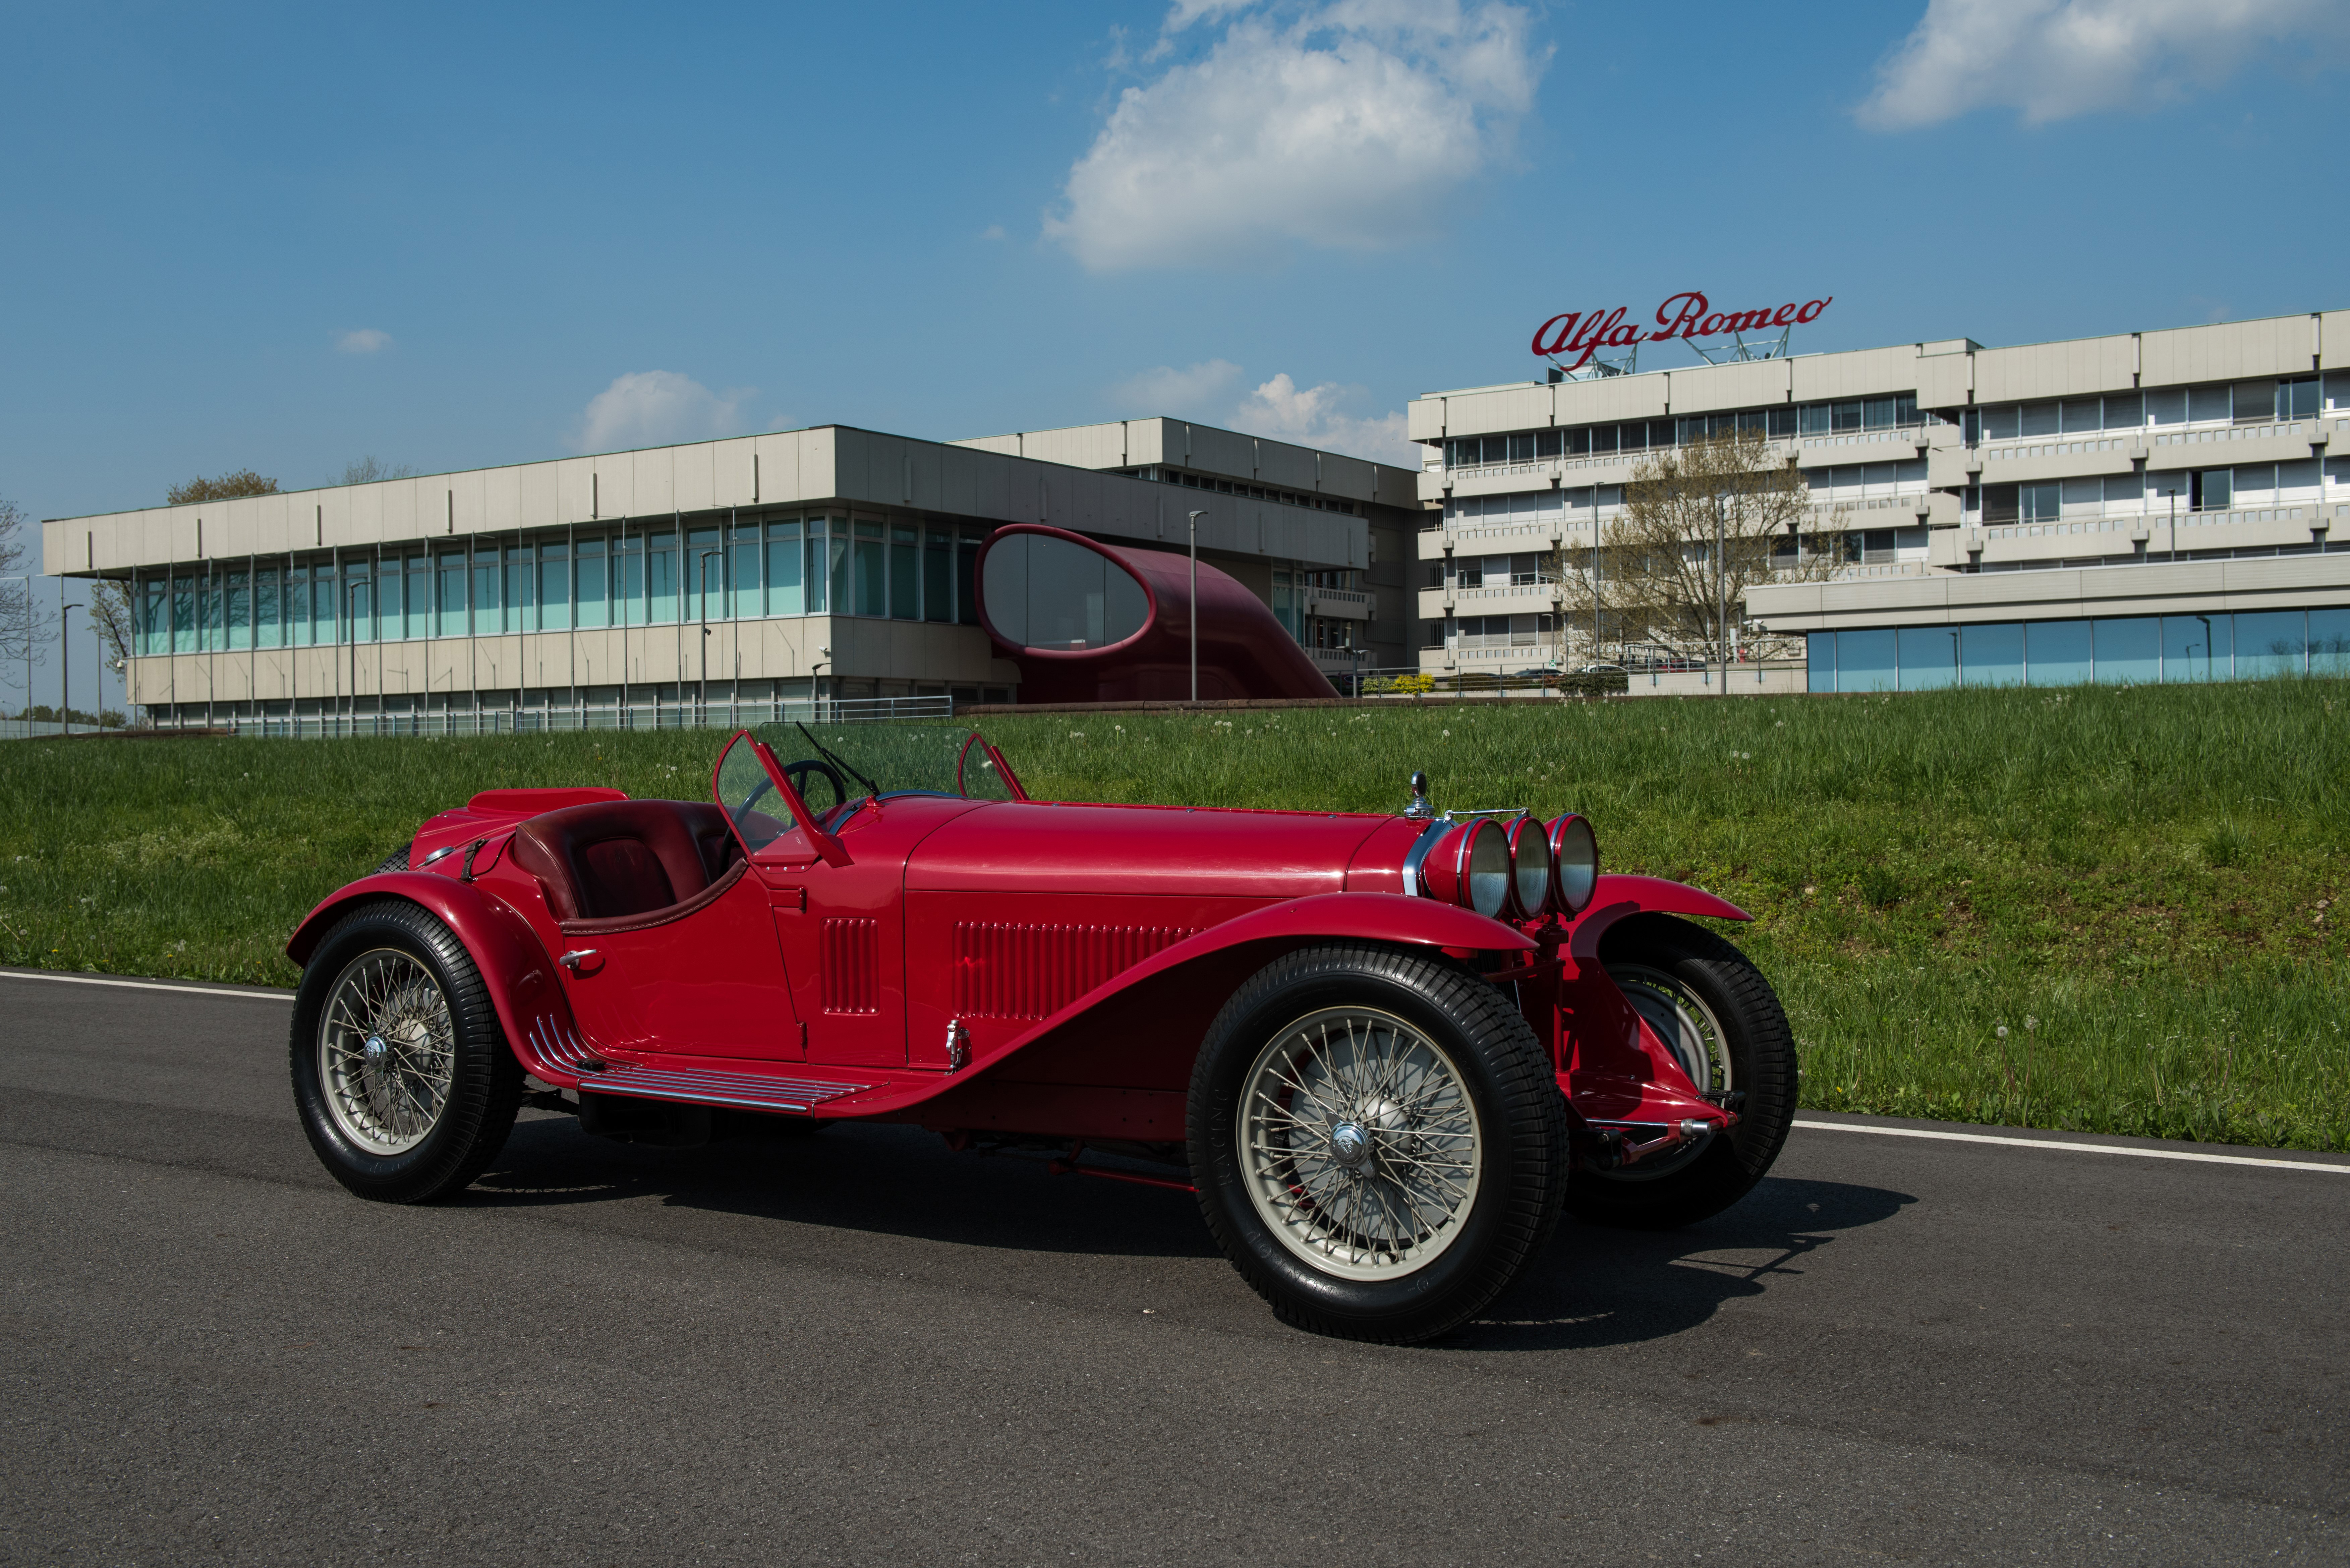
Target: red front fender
column 1615, row 897
column 514, row 966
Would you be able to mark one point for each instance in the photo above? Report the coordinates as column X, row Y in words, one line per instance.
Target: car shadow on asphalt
column 1592, row 1287
column 1598, row 1286
column 885, row 1179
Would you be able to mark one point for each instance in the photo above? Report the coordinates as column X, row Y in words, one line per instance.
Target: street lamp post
column 701, row 580
column 65, row 671
column 1195, row 606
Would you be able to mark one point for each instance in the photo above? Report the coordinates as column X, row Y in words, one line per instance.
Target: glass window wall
column 2107, row 650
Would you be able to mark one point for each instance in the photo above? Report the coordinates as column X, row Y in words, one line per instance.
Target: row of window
column 2132, row 649
column 1521, row 569
column 779, row 566
column 1643, row 435
column 1527, row 631
column 2227, row 402
column 2235, row 403
column 2195, row 490
column 1240, row 487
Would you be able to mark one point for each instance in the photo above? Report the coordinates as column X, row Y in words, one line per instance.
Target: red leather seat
column 611, row 859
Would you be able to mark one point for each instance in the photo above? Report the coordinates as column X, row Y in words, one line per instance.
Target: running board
column 756, row 1092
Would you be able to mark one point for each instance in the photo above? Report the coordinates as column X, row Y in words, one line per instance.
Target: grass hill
column 2140, row 886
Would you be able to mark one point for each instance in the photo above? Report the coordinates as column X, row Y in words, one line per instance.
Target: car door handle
column 575, row 958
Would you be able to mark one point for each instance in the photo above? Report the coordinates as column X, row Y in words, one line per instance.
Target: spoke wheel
column 1377, row 1139
column 1360, row 1143
column 1713, row 1010
column 386, row 1051
column 1690, row 1030
column 401, row 1074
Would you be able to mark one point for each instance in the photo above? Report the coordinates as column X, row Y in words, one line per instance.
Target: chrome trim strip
column 703, row 1087
column 1418, row 854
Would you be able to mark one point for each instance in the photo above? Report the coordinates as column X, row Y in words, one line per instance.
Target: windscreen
column 829, row 764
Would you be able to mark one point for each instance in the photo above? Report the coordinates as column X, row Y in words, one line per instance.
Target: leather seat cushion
column 614, row 858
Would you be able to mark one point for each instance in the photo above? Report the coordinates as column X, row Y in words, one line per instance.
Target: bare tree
column 1701, row 524
column 24, row 624
column 368, row 470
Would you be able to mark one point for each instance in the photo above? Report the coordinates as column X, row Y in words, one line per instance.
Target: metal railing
column 714, row 715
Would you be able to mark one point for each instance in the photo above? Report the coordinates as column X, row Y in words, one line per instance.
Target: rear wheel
column 1377, row 1139
column 401, row 1076
column 1713, row 1010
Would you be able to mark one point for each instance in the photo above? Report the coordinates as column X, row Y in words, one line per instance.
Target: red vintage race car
column 1385, row 1052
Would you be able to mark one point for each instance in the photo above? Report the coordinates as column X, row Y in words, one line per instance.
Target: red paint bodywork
column 1243, row 651
column 997, row 966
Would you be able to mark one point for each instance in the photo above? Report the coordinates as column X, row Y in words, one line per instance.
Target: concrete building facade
column 2136, row 494
column 831, row 563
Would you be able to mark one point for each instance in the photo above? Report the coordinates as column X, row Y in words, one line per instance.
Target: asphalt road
column 859, row 1348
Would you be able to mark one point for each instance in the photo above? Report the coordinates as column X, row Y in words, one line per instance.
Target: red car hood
column 1033, row 848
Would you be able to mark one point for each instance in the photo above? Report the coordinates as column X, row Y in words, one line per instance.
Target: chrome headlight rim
column 1575, row 862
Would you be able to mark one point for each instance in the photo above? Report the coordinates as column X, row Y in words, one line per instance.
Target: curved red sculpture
column 1090, row 622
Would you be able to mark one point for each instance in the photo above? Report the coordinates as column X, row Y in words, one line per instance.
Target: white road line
column 150, row 985
column 2078, row 1148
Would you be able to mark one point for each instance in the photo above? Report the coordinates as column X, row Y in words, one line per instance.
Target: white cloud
column 2050, row 59
column 992, row 232
column 1166, row 390
column 365, row 340
column 1352, row 125
column 1315, row 417
column 652, row 408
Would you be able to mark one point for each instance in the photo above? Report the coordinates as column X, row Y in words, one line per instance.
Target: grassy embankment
column 2140, row 885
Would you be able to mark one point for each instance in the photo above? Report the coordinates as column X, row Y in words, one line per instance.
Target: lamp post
column 702, row 583
column 815, row 685
column 1195, row 606
column 65, row 671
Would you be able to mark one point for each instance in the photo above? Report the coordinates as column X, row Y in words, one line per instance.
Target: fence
column 714, row 715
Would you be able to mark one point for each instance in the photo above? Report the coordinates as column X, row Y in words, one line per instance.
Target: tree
column 368, row 470
column 227, row 487
column 1701, row 524
column 22, row 620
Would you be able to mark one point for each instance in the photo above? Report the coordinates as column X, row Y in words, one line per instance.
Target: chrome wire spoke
column 1359, row 1143
column 387, row 1054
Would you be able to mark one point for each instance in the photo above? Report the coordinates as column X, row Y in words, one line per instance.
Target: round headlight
column 1574, row 851
column 1487, row 863
column 1471, row 867
column 1531, row 882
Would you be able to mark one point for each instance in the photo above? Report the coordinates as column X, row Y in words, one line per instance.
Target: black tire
column 1519, row 1127
column 1760, row 1051
column 469, row 1120
column 395, row 861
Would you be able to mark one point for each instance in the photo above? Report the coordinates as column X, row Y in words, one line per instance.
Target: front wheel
column 1708, row 1005
column 401, row 1076
column 1377, row 1139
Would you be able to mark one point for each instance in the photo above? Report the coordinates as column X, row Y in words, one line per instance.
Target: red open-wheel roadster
column 1384, row 1051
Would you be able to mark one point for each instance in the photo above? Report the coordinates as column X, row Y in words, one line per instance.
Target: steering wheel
column 797, row 773
column 753, row 798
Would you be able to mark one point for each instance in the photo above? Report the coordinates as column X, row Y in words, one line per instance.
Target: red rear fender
column 514, row 964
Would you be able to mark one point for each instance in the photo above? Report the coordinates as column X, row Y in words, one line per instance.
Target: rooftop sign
column 1686, row 315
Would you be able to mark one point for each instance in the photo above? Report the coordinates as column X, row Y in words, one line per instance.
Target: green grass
column 2137, row 884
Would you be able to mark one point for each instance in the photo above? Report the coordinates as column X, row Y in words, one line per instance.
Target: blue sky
column 456, row 237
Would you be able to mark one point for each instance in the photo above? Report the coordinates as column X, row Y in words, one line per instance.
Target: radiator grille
column 852, row 966
column 1034, row 971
